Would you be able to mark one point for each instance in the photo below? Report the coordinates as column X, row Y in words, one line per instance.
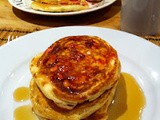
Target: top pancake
column 75, row 69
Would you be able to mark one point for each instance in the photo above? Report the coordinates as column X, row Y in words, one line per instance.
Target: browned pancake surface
column 79, row 68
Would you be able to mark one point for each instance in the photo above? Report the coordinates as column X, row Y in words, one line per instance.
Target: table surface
column 15, row 23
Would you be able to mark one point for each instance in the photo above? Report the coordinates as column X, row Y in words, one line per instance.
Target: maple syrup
column 24, row 113
column 21, row 94
column 129, row 100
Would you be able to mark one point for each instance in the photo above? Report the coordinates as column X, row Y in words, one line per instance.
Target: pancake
column 46, row 109
column 76, row 69
column 59, row 5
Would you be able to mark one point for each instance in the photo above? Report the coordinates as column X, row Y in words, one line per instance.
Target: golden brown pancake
column 46, row 109
column 59, row 5
column 76, row 69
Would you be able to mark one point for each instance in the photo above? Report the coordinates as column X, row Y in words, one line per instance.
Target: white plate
column 24, row 5
column 138, row 57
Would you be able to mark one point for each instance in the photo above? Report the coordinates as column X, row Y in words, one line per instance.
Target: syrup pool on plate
column 21, row 94
column 24, row 113
column 129, row 100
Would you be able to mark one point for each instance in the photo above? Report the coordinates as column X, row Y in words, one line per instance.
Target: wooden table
column 15, row 23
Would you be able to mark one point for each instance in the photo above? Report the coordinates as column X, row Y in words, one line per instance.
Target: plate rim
column 143, row 40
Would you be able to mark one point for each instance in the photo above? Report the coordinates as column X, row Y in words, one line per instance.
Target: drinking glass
column 140, row 17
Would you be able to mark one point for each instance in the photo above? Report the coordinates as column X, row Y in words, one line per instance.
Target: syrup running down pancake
column 76, row 69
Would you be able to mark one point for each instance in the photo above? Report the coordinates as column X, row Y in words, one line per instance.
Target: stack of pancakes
column 74, row 79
